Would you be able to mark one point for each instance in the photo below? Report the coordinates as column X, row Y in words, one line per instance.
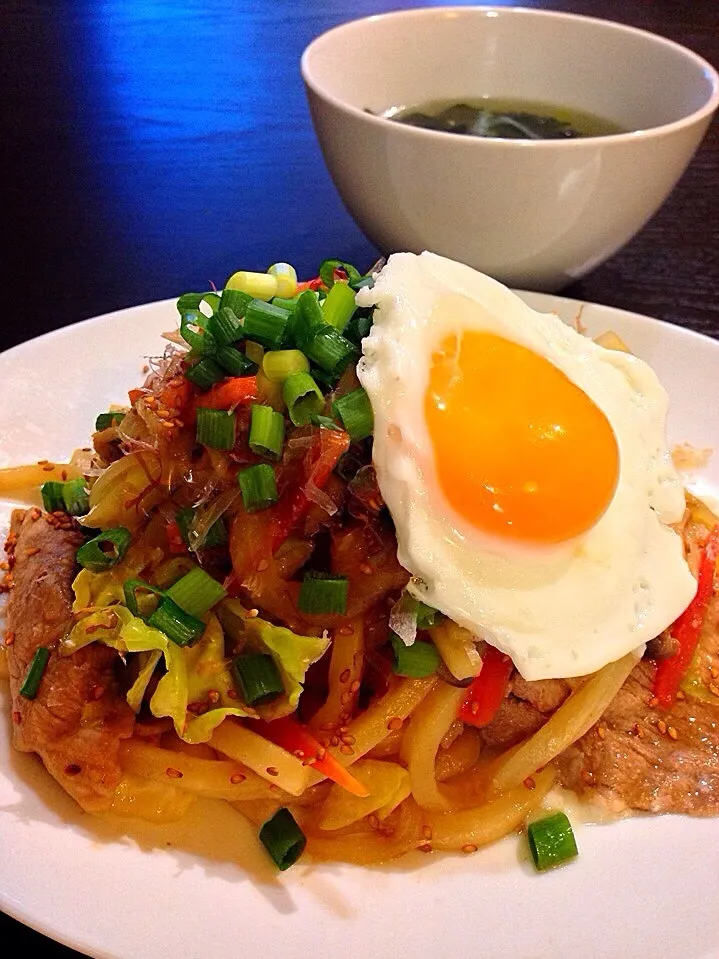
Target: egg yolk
column 520, row 451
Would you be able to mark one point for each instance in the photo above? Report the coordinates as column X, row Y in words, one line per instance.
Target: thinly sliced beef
column 79, row 715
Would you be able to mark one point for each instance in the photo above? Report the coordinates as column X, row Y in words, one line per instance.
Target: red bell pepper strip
column 322, row 457
column 687, row 629
column 486, row 692
column 314, row 284
column 295, row 738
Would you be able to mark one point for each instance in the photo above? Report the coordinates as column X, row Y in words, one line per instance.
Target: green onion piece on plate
column 179, row 627
column 205, row 373
column 265, row 324
column 257, row 677
column 339, row 306
column 53, row 499
column 427, row 615
column 551, row 841
column 235, row 300
column 355, row 411
column 234, row 362
column 258, row 486
column 321, row 593
column 416, row 661
column 196, row 592
column 76, row 497
column 306, row 318
column 141, row 598
column 105, row 550
column 105, row 420
column 215, row 428
column 330, row 350
column 327, row 272
column 267, row 431
column 277, row 365
column 225, row 326
column 35, row 672
column 216, row 534
column 283, row 839
column 303, row 397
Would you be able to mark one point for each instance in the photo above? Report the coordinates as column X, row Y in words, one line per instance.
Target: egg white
column 559, row 611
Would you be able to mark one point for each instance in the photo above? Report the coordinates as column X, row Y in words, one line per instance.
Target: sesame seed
column 469, row 848
column 98, row 692
column 672, row 733
column 236, row 778
column 354, row 688
column 72, row 769
column 601, row 732
column 653, row 702
column 394, row 723
column 345, row 698
column 529, row 783
column 9, row 638
column 427, row 832
column 346, row 750
column 334, row 740
column 345, row 631
column 327, row 727
column 173, row 773
column 373, row 821
column 662, row 726
column 714, row 672
column 424, row 847
column 271, row 771
column 349, row 740
column 345, row 675
column 252, row 613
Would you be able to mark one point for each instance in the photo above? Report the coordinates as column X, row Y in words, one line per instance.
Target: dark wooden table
column 152, row 147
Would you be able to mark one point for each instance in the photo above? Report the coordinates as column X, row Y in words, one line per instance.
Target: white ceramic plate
column 641, row 887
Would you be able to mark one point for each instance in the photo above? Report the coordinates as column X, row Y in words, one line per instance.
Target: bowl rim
column 647, row 133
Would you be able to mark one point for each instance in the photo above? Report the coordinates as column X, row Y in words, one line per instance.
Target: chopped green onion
column 286, row 277
column 266, row 324
column 235, row 300
column 234, row 362
column 225, row 326
column 283, row 839
column 303, row 397
column 324, row 421
column 286, row 303
column 306, row 319
column 75, row 497
column 355, row 411
column 215, row 428
column 53, row 499
column 201, row 343
column 359, row 326
column 330, row 350
column 418, row 660
column 216, row 534
column 551, row 841
column 267, row 431
column 362, row 282
column 146, row 605
column 105, row 420
column 258, row 486
column 196, row 592
column 104, row 551
column 277, row 365
column 321, row 593
column 257, row 677
column 35, row 672
column 254, row 352
column 191, row 302
column 427, row 615
column 179, row 627
column 327, row 272
column 339, row 306
column 205, row 373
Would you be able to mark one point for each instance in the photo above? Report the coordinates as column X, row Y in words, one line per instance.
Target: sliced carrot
column 297, row 739
column 228, row 393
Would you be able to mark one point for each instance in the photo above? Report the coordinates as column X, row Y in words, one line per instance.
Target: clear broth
column 504, row 119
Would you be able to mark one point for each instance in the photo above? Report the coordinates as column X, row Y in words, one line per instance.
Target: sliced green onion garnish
column 306, row 319
column 216, row 535
column 257, row 677
column 267, row 431
column 355, row 411
column 191, row 303
column 277, row 365
column 205, row 373
column 235, row 300
column 418, row 660
column 551, row 841
column 53, row 499
column 258, row 485
column 287, row 303
column 35, row 672
column 283, row 839
column 427, row 615
column 75, row 497
column 105, row 420
column 339, row 306
column 327, row 272
column 303, row 397
column 225, row 326
column 234, row 362
column 359, row 326
column 196, row 592
column 215, row 428
column 320, row 593
column 194, row 334
column 141, row 598
column 179, row 626
column 330, row 350
column 363, row 281
column 105, row 550
column 266, row 324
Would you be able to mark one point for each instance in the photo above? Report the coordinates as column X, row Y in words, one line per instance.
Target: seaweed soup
column 504, row 118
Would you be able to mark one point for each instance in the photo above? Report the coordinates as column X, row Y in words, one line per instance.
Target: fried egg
column 525, row 468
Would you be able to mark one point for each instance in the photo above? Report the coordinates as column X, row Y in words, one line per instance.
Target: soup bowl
column 532, row 213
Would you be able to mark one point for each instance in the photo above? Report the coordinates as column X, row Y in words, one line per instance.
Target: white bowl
column 535, row 214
